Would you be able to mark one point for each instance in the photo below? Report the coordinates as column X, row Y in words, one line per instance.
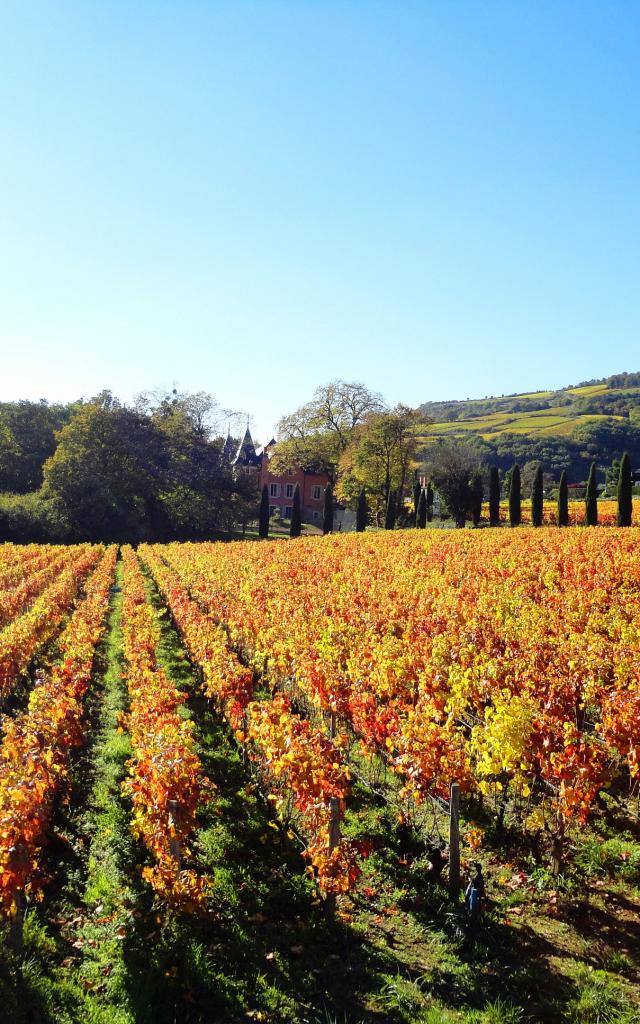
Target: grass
column 599, row 1000
column 277, row 531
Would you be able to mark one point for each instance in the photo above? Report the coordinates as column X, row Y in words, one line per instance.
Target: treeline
column 623, row 487
column 456, row 410
column 463, row 481
column 103, row 471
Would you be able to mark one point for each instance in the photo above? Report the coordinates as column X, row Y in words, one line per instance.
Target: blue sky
column 439, row 199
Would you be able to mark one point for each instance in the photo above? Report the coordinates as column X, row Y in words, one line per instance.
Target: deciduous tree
column 104, row 477
column 316, row 434
column 27, row 440
column 122, row 474
column 379, row 456
column 453, row 467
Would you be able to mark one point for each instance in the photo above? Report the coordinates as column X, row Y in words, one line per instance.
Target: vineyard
column 607, row 510
column 226, row 771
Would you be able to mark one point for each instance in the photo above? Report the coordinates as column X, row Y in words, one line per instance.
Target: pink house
column 282, row 486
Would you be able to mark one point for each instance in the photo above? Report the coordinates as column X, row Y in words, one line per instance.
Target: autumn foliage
column 166, row 783
column 30, row 631
column 34, row 756
column 296, row 759
column 506, row 661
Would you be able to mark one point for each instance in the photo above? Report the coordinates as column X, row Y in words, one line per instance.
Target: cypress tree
column 421, row 517
column 390, row 517
column 429, row 497
column 625, row 499
column 362, row 512
column 477, row 494
column 591, row 498
column 327, row 515
column 494, row 497
column 417, row 491
column 515, row 508
column 613, row 476
column 563, row 500
column 537, row 498
column 263, row 520
column 296, row 519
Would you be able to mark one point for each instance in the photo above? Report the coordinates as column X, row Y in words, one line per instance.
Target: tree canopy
column 452, row 468
column 317, row 433
column 27, row 439
column 154, row 471
column 380, row 456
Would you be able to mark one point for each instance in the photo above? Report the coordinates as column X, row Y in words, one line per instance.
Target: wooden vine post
column 19, row 858
column 174, row 842
column 16, row 924
column 245, row 727
column 334, row 841
column 454, row 841
column 334, row 822
column 557, row 847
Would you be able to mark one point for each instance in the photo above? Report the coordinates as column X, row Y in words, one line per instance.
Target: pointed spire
column 228, row 448
column 246, row 454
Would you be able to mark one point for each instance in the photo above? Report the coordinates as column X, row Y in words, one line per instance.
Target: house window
column 288, row 491
column 316, row 516
column 274, row 490
column 315, row 492
column 288, row 511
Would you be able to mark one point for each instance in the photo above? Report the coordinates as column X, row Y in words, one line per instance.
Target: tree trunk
column 557, row 848
column 454, row 841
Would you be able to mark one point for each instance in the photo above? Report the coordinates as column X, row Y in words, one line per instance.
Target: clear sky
column 441, row 199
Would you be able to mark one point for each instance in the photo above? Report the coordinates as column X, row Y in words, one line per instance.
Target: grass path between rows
column 267, row 951
column 74, row 966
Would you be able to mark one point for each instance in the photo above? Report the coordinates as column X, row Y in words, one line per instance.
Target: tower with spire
column 252, row 465
column 246, row 456
column 229, row 447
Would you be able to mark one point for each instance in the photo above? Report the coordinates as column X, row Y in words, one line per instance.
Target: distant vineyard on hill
column 569, row 428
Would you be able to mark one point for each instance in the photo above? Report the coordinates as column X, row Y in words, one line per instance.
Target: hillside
column 568, row 428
